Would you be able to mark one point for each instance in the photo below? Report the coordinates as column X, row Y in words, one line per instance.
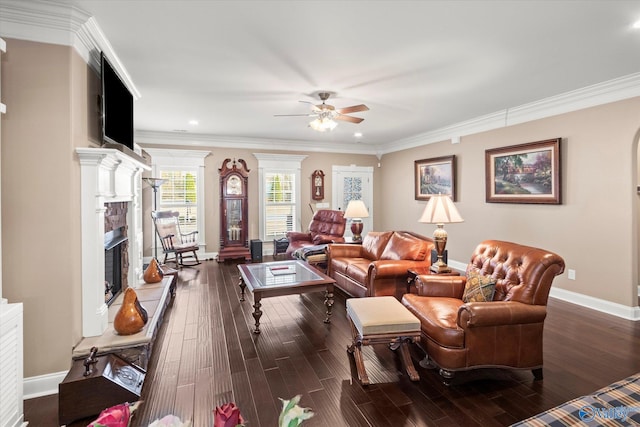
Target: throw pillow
column 404, row 246
column 479, row 288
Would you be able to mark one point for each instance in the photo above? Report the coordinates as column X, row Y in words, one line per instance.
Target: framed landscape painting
column 525, row 173
column 435, row 176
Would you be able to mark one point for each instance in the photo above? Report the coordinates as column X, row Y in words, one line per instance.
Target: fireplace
column 115, row 276
column 110, row 199
column 116, row 250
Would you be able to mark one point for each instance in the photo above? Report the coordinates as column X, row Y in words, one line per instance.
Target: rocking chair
column 174, row 243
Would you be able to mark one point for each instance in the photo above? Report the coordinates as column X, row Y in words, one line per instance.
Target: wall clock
column 317, row 185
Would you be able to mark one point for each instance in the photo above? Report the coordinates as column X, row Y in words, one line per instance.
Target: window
column 279, row 194
column 183, row 189
column 280, row 203
column 179, row 193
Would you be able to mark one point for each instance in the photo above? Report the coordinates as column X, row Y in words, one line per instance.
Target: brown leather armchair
column 504, row 332
column 326, row 226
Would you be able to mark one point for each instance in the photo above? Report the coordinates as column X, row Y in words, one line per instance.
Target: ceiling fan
column 326, row 114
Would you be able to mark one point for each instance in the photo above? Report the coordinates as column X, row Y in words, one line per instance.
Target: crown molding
column 62, row 24
column 66, row 24
column 591, row 96
column 204, row 140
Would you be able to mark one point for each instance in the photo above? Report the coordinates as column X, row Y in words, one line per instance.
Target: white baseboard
column 43, row 385
column 619, row 310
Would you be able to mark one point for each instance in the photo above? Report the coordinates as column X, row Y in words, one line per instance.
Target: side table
column 414, row 272
column 350, row 241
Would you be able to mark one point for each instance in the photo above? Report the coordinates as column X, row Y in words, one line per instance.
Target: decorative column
column 107, row 175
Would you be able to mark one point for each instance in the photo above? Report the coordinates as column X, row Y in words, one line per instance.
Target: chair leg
column 356, row 349
column 537, row 374
column 405, row 357
column 447, row 376
column 427, row 363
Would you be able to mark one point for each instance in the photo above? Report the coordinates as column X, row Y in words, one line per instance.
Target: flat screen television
column 117, row 107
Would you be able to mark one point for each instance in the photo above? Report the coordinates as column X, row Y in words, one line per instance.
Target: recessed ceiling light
column 358, row 134
column 636, row 24
column 193, row 122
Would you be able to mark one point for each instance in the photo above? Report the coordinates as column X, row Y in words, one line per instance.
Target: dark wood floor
column 207, row 355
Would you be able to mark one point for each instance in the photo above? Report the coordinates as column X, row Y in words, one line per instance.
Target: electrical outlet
column 571, row 274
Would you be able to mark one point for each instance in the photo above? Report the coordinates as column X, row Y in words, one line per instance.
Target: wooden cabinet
column 234, row 212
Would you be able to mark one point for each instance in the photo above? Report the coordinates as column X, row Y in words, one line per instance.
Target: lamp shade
column 440, row 210
column 356, row 209
column 154, row 182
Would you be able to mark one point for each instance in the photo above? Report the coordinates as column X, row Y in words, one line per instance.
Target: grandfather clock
column 234, row 235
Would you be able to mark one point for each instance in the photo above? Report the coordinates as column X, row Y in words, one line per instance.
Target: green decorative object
column 293, row 415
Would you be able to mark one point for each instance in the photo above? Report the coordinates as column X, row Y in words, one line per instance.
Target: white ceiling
column 418, row 65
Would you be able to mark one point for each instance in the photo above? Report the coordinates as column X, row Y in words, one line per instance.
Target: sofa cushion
column 374, row 243
column 340, row 265
column 357, row 270
column 404, row 246
column 478, row 288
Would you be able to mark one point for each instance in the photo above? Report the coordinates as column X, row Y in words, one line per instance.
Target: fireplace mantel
column 107, row 175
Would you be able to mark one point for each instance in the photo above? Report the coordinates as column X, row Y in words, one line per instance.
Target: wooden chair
column 175, row 244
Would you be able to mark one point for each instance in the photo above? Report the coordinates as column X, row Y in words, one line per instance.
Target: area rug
column 617, row 404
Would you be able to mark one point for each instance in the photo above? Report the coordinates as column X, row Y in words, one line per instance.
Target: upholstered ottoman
column 382, row 320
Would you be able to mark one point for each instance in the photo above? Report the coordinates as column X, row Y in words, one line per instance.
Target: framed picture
column 525, row 173
column 435, row 176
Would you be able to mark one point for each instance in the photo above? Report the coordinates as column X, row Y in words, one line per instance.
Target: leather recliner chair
column 326, row 226
column 504, row 332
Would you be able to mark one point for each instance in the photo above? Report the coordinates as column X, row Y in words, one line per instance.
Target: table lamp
column 356, row 210
column 440, row 210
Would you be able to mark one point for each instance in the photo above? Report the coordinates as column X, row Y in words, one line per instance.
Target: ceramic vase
column 152, row 274
column 132, row 316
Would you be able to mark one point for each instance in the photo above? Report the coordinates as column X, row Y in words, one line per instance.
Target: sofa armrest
column 294, row 236
column 320, row 239
column 499, row 313
column 387, row 268
column 344, row 250
column 433, row 285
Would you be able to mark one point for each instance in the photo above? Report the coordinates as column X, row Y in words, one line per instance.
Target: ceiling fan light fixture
column 323, row 124
column 324, row 121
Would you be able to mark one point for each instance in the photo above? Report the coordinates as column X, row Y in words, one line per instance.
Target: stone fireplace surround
column 107, row 175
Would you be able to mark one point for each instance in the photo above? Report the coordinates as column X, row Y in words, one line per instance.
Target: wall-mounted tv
column 117, row 107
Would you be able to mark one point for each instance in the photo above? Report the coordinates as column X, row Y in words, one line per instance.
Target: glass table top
column 279, row 274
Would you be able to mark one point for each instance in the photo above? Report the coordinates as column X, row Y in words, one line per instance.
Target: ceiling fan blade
column 294, row 115
column 348, row 118
column 353, row 109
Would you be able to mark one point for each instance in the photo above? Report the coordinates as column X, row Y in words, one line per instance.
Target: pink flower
column 227, row 415
column 116, row 416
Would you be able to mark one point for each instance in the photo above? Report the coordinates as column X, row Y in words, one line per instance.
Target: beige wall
column 46, row 89
column 594, row 229
column 52, row 109
column 213, row 162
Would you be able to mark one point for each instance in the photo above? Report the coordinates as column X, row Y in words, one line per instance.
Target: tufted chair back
column 327, row 223
column 522, row 273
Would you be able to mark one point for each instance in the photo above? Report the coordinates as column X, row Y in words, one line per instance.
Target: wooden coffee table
column 272, row 279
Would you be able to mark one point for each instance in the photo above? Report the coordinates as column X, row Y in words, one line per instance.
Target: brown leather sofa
column 326, row 226
column 378, row 266
column 507, row 330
